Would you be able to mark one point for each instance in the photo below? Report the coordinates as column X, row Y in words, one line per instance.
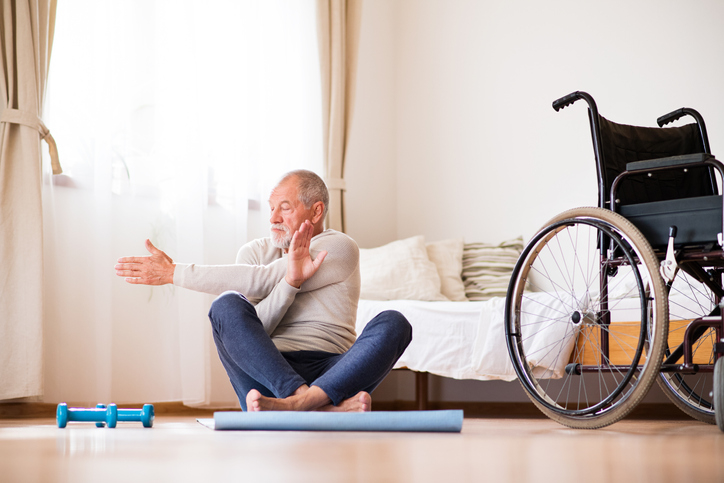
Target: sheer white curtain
column 175, row 117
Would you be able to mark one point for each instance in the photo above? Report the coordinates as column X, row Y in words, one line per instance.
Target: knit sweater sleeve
column 252, row 275
column 256, row 279
column 341, row 262
column 272, row 308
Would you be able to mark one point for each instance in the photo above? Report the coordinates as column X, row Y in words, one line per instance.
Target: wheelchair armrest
column 669, row 162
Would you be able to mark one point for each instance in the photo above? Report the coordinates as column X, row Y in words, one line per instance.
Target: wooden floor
column 179, row 449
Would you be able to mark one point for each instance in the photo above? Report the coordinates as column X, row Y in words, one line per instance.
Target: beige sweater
column 318, row 316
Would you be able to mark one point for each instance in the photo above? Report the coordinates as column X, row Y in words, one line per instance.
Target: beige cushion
column 487, row 268
column 447, row 255
column 400, row 270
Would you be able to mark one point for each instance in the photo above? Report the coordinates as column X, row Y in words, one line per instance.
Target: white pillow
column 399, row 270
column 447, row 255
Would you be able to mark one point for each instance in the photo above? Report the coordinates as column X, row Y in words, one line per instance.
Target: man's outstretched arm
column 255, row 281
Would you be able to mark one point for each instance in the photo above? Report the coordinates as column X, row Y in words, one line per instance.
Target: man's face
column 287, row 213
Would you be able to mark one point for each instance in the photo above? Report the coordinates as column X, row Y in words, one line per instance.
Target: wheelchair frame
column 624, row 239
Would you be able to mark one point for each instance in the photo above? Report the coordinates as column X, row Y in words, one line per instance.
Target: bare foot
column 360, row 403
column 256, row 402
column 304, row 399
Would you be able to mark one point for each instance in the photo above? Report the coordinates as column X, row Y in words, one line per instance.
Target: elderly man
column 284, row 324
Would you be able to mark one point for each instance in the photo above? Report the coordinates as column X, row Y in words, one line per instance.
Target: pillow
column 487, row 268
column 399, row 271
column 447, row 255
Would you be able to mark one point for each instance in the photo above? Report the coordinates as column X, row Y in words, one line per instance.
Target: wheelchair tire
column 584, row 360
column 692, row 393
column 718, row 391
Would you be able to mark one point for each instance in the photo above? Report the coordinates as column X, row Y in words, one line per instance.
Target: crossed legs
column 265, row 379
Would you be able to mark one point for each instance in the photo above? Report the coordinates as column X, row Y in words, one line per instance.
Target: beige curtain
column 25, row 41
column 338, row 23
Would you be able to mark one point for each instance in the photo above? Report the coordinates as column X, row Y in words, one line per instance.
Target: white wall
column 371, row 168
column 454, row 134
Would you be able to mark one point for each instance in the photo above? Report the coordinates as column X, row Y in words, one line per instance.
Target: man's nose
column 275, row 217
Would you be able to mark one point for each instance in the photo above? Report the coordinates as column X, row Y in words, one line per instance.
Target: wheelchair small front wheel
column 718, row 391
column 586, row 318
column 689, row 299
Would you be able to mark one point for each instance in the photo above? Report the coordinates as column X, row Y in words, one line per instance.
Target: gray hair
column 311, row 188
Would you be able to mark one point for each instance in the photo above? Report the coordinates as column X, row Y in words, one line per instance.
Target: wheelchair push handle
column 671, row 117
column 566, row 101
column 687, row 111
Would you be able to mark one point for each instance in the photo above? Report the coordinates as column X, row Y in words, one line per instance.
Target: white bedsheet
column 466, row 340
column 443, row 334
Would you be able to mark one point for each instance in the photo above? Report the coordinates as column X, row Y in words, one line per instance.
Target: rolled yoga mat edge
column 449, row 421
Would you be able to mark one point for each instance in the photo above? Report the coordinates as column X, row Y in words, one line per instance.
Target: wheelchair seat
column 698, row 221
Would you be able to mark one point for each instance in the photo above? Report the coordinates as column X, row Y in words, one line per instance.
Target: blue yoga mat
column 423, row 421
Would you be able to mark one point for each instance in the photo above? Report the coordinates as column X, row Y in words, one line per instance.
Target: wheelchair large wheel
column 585, row 327
column 692, row 393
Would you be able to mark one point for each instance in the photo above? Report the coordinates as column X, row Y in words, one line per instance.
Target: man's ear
column 318, row 212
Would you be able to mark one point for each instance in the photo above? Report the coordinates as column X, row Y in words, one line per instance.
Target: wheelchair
column 604, row 301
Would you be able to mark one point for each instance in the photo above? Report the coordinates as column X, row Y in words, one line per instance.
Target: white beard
column 281, row 241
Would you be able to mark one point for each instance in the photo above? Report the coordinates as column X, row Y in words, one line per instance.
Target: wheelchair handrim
column 515, row 294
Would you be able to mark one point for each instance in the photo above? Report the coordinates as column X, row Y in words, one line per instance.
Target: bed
column 453, row 294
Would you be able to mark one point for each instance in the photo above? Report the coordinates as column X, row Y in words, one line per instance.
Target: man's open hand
column 156, row 269
column 300, row 266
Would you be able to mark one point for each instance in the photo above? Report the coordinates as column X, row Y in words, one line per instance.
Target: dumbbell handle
column 92, row 414
column 129, row 414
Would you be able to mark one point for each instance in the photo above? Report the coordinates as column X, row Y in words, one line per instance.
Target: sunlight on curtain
column 175, row 119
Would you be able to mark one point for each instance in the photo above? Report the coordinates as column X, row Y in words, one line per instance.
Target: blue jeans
column 252, row 361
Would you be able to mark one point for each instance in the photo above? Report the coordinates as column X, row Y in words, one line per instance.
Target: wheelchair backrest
column 621, row 144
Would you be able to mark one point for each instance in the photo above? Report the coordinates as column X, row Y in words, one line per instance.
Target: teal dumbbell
column 102, row 415
column 65, row 414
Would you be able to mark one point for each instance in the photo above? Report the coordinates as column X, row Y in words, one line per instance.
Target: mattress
column 466, row 340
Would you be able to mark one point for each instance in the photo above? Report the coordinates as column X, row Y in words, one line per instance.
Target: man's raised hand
column 300, row 266
column 156, row 269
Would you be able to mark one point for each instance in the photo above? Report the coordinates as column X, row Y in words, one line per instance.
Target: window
column 150, row 97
